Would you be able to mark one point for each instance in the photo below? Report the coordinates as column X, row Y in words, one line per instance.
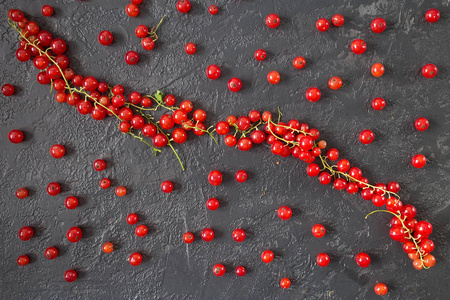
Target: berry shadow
column 31, row 191
column 27, row 135
column 87, row 230
column 81, row 201
column 32, row 257
column 37, row 229
column 64, row 187
column 61, row 249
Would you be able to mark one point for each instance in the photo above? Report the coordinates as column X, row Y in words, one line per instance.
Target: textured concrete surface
column 171, row 269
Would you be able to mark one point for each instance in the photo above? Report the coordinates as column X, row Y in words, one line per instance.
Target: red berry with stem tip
column 285, row 283
column 131, row 57
column 53, row 188
column 141, row 31
column 188, row 237
column 322, row 24
column 149, row 130
column 141, row 230
column 23, row 260
column 8, row 89
column 273, row 21
column 423, row 228
column 183, row 6
column 51, row 253
column 74, row 234
column 419, row 161
column 212, row 9
column 120, row 191
column 218, row 270
column 337, row 20
column 273, row 77
column 380, row 289
column 132, row 219
column 71, row 202
column 58, row 46
column 318, row 230
column 323, row 259
column 135, row 259
column 324, row 178
column 207, row 234
column 148, row 43
column 267, row 256
column 179, row 136
column 313, row 170
column 393, row 187
column 241, row 176
column 299, row 62
column 429, row 71
column 238, row 235
column 213, row 72
column 23, row 55
column 45, row 38
column 215, row 178
column 222, row 128
column 432, row 15
column 313, row 94
column 99, row 164
column 378, row 25
column 362, row 259
column 429, row 261
column 105, row 37
column 426, row 245
column 159, row 140
column 70, row 275
column 15, row 136
column 333, row 154
column 17, row 15
column 167, row 187
column 186, row 106
column 359, row 46
column 137, row 122
column 366, row 137
column 240, row 271
column 105, row 183
column 335, row 83
column 212, row 204
column 124, row 126
column 378, row 103
column 132, row 10
column 260, row 54
column 137, row 2
column 21, row 193
column 377, row 69
column 343, row 165
column 57, row 151
column 234, row 84
column 230, row 140
column 421, row 124
column 284, row 212
column 190, row 48
column 26, row 233
column 340, row 184
column 257, row 136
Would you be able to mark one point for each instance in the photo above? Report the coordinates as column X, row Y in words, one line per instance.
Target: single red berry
column 421, row 124
column 105, row 183
column 135, row 259
column 377, row 69
column 15, row 136
column 378, row 103
column 219, row 270
column 53, row 188
column 215, row 177
column 337, row 20
column 380, row 289
column 213, row 72
column 132, row 219
column 285, row 283
column 234, row 84
column 362, row 259
column 58, row 46
column 222, row 128
column 70, row 275
column 267, row 256
column 132, row 10
column 57, row 151
column 179, row 136
column 148, row 43
column 260, row 54
column 167, row 187
column 71, row 202
column 183, row 6
column 131, row 57
column 160, row 140
column 120, row 191
column 23, row 55
column 284, row 212
column 322, row 24
column 16, row 15
column 21, row 193
column 207, row 234
column 190, row 48
column 99, row 164
column 74, row 234
column 238, row 235
column 318, row 230
column 230, row 140
column 366, row 137
column 335, row 83
column 23, row 260
column 313, row 94
column 212, row 204
column 323, row 259
column 272, row 20
column 378, row 25
column 141, row 31
column 26, row 233
column 429, row 71
column 273, row 77
column 333, row 154
column 240, row 271
column 299, row 62
column 141, row 230
column 359, row 46
column 51, row 253
column 432, row 15
column 212, row 9
column 324, row 178
column 419, row 161
column 241, row 176
column 188, row 237
column 7, row 89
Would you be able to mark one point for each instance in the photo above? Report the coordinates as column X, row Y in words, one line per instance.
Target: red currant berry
column 239, row 235
column 132, row 219
column 318, row 230
column 213, row 72
column 190, row 48
column 313, row 94
column 313, row 170
column 74, row 234
column 324, row 178
column 423, row 228
column 230, row 140
column 215, row 178
column 183, row 6
column 207, row 234
column 7, row 90
column 333, row 154
column 222, row 128
column 132, row 10
column 141, row 31
column 21, row 193
column 51, row 253
column 323, row 259
column 137, row 122
column 284, row 212
column 141, row 230
column 131, row 57
column 15, row 136
column 272, row 20
column 432, row 15
column 257, row 137
column 362, row 259
column 23, row 260
column 120, row 191
column 26, row 233
column 322, row 24
column 105, row 183
column 45, row 38
column 267, row 256
column 337, row 20
column 16, row 15
column 429, row 71
column 167, row 187
column 179, row 136
column 245, row 144
column 148, row 43
column 359, row 46
column 366, row 137
column 335, row 83
column 23, row 55
column 355, row 173
column 105, row 37
column 212, row 204
column 285, row 283
column 218, row 270
column 260, row 54
column 99, row 164
column 393, row 187
column 421, row 124
column 378, row 25
column 380, row 289
column 299, row 62
column 241, row 176
column 234, row 84
column 188, row 237
column 160, row 140
column 429, row 261
column 377, row 69
column 378, row 103
column 186, row 106
column 418, row 161
column 135, row 259
column 212, row 9
column 57, row 151
column 240, row 271
column 58, row 46
column 53, row 189
column 70, row 275
column 340, row 184
column 71, row 202
column 273, row 77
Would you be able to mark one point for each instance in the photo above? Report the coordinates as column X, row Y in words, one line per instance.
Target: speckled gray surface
column 171, row 269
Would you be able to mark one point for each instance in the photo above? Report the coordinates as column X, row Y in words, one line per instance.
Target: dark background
column 171, row 269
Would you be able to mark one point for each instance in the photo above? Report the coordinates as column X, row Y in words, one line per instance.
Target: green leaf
column 159, row 96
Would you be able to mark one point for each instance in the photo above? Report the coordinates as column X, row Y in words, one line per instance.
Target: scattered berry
column 141, row 230
column 337, row 20
column 219, row 270
column 47, row 10
column 51, row 253
column 21, row 193
column 241, row 176
column 132, row 10
column 238, row 235
column 359, row 46
column 53, row 188
column 71, row 202
column 15, row 136
column 323, row 259
column 380, row 289
column 212, row 204
column 313, row 94
column 188, row 237
column 7, row 89
column 183, row 6
column 213, row 72
column 272, row 20
column 322, row 24
column 207, row 234
column 135, row 259
column 234, row 84
column 378, row 103
column 419, row 161
column 215, row 177
column 366, row 137
column 190, row 48
column 99, row 164
column 26, row 233
column 74, row 234
column 57, row 151
column 105, row 183
column 335, row 83
column 284, row 212
column 421, row 124
column 267, row 256
column 260, row 54
column 212, row 9
column 362, row 259
column 121, row 191
column 377, row 69
column 167, row 187
column 318, row 230
column 132, row 219
column 378, row 25
column 285, row 283
column 240, row 271
column 299, row 62
column 429, row 71
column 432, row 15
column 273, row 77
column 70, row 275
column 107, row 247
column 131, row 57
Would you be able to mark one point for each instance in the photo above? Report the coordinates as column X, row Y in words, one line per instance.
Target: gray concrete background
column 171, row 269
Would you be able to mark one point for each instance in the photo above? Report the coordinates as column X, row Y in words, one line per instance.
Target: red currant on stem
column 380, row 289
column 323, row 259
column 147, row 43
column 219, row 270
column 378, row 25
column 285, row 283
column 359, row 46
column 141, row 31
column 362, row 259
column 267, row 256
column 322, row 24
column 188, row 237
column 7, row 90
column 51, row 253
column 215, row 177
column 418, row 161
column 337, row 20
column 135, row 259
column 167, row 187
column 190, row 48
column 238, row 235
column 284, row 212
column 207, row 234
column 273, row 21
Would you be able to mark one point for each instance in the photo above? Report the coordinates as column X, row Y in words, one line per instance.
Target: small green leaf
column 159, row 96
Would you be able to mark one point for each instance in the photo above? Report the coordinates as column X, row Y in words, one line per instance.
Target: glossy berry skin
column 234, row 84
column 240, row 271
column 105, row 183
column 23, row 55
column 183, row 6
column 107, row 247
column 141, row 230
column 57, row 151
column 366, row 137
column 299, row 62
column 141, row 31
column 212, row 204
column 219, row 270
column 241, row 176
column 132, row 219
column 432, row 15
column 21, row 193
column 213, row 72
column 285, row 283
column 132, row 10
column 160, row 140
column 58, row 46
column 267, row 256
column 380, row 289
column 284, row 212
column 7, row 89
column 359, row 46
column 273, row 21
column 238, row 235
column 70, row 275
column 170, row 101
column 377, row 69
column 148, row 43
column 273, row 77
column 337, row 20
column 135, row 259
column 188, row 237
column 53, row 188
column 335, row 83
column 23, row 260
column 212, row 9
column 362, row 259
column 323, row 259
column 215, row 178
column 99, row 164
column 318, row 230
column 120, row 191
column 26, row 233
column 322, row 24
column 378, row 103
column 131, row 57
column 419, row 161
column 105, row 37
column 51, row 253
column 260, row 54
column 207, row 234
column 167, row 187
column 71, row 202
column 429, row 71
column 378, row 25
column 15, row 136
column 222, row 128
column 313, row 94
column 74, row 234
column 190, row 48
column 421, row 124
